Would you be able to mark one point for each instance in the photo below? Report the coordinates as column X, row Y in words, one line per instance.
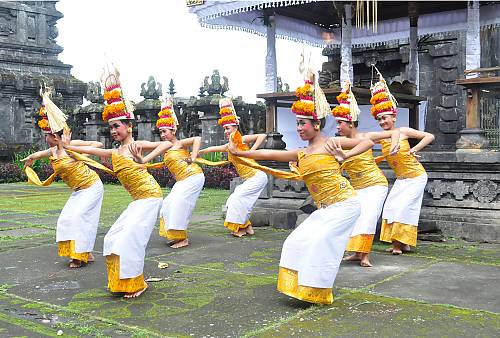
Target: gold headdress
column 227, row 113
column 117, row 106
column 382, row 100
column 53, row 119
column 312, row 103
column 166, row 116
column 348, row 109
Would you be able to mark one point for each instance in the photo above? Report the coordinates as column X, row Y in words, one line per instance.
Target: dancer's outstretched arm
column 35, row 156
column 213, row 149
column 394, row 135
column 136, row 151
column 335, row 146
column 256, row 139
column 266, row 154
column 105, row 153
column 80, row 143
column 147, row 145
column 424, row 137
column 194, row 143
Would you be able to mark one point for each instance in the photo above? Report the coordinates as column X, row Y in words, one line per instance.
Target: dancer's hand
column 28, row 161
column 395, row 149
column 413, row 153
column 66, row 139
column 334, row 148
column 136, row 151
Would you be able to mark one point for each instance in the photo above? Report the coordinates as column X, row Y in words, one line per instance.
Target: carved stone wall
column 29, row 56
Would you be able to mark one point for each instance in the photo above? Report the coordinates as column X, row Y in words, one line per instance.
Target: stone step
column 481, row 232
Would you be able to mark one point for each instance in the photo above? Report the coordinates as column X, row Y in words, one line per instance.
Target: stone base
column 472, row 139
column 478, row 155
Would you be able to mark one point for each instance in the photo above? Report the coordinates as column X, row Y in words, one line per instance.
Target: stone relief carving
column 6, row 25
column 485, row 191
column 438, row 188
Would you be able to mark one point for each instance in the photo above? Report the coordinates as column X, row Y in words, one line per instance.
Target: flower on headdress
column 43, row 124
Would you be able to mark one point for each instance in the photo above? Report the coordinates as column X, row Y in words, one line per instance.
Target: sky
column 161, row 38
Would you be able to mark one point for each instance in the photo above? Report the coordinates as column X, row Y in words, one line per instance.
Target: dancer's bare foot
column 353, row 258
column 249, row 230
column 180, row 244
column 389, row 249
column 135, row 294
column 397, row 248
column 75, row 264
column 406, row 248
column 397, row 252
column 91, row 258
column 365, row 261
column 239, row 233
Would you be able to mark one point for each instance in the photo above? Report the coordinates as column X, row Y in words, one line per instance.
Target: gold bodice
column 403, row 164
column 321, row 174
column 363, row 171
column 243, row 171
column 135, row 178
column 175, row 161
column 75, row 174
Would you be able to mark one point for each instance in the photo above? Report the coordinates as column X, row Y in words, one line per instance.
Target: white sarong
column 179, row 204
column 79, row 218
column 405, row 200
column 316, row 247
column 129, row 235
column 372, row 201
column 241, row 201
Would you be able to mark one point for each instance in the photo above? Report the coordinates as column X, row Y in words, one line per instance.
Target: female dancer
column 178, row 206
column 241, row 201
column 126, row 241
column 365, row 176
column 402, row 207
column 77, row 224
column 312, row 253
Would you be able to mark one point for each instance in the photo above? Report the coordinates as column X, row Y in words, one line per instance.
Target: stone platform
column 221, row 286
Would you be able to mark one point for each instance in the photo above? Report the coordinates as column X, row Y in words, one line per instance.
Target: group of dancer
column 347, row 212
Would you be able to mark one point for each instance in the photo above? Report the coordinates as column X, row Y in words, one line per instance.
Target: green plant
column 215, row 156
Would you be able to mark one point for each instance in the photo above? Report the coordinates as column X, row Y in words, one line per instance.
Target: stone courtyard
column 221, row 286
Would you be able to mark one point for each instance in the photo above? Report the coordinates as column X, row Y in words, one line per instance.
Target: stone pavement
column 222, row 286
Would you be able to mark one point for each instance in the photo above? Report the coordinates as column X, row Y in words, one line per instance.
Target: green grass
column 23, row 198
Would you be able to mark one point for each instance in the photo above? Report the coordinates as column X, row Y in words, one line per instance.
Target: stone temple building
column 28, row 57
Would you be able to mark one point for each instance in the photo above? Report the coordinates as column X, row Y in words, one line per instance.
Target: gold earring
column 129, row 129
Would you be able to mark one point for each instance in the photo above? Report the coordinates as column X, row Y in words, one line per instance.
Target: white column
column 271, row 68
column 472, row 43
column 346, row 47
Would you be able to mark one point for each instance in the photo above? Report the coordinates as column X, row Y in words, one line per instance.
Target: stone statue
column 225, row 85
column 153, row 90
column 280, row 85
column 215, row 86
column 93, row 93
